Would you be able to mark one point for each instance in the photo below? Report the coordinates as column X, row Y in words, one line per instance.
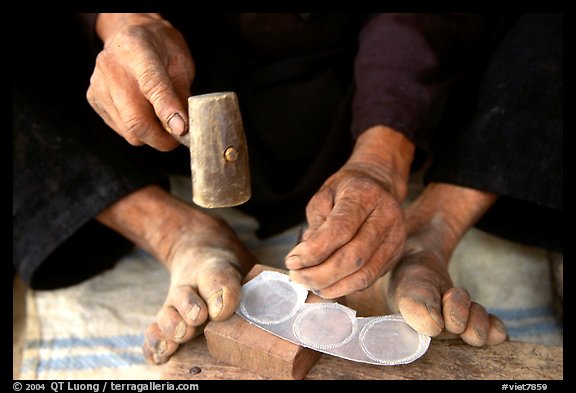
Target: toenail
column 457, row 321
column 161, row 348
column 194, row 312
column 436, row 316
column 480, row 333
column 180, row 331
column 158, row 359
column 216, row 303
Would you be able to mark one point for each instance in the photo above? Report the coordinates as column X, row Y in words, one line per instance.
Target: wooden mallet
column 218, row 151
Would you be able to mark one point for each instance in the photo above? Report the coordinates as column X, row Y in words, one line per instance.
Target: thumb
column 157, row 86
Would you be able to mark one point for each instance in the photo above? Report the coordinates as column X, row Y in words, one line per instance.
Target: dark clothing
column 308, row 84
column 67, row 166
column 513, row 143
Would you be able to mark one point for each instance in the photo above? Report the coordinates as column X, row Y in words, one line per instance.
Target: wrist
column 109, row 23
column 386, row 155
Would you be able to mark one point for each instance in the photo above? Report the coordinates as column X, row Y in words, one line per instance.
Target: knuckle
column 150, row 74
column 90, row 96
column 320, row 201
column 96, row 103
column 92, row 91
column 136, row 131
column 353, row 254
column 309, row 252
column 131, row 37
column 339, row 226
column 156, row 91
column 363, row 278
column 315, row 215
column 137, row 128
column 365, row 185
column 150, row 84
column 133, row 141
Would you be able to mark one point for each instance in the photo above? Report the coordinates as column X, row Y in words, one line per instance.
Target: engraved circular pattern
column 281, row 302
column 390, row 341
column 325, row 325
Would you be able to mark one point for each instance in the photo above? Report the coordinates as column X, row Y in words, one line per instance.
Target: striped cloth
column 94, row 330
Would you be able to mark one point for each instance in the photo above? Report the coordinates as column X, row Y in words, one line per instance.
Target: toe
column 478, row 326
column 172, row 326
column 189, row 305
column 221, row 290
column 497, row 333
column 157, row 349
column 456, row 308
column 422, row 314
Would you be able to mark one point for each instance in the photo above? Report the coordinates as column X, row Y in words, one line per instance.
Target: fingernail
column 293, row 262
column 192, row 315
column 216, row 304
column 176, row 124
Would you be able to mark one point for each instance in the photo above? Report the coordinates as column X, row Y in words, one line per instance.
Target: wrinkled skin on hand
column 142, row 78
column 356, row 227
column 355, row 234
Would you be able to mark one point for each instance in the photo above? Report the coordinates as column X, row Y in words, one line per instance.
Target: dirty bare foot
column 205, row 259
column 420, row 287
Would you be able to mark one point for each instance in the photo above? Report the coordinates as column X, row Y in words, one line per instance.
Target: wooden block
column 242, row 344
